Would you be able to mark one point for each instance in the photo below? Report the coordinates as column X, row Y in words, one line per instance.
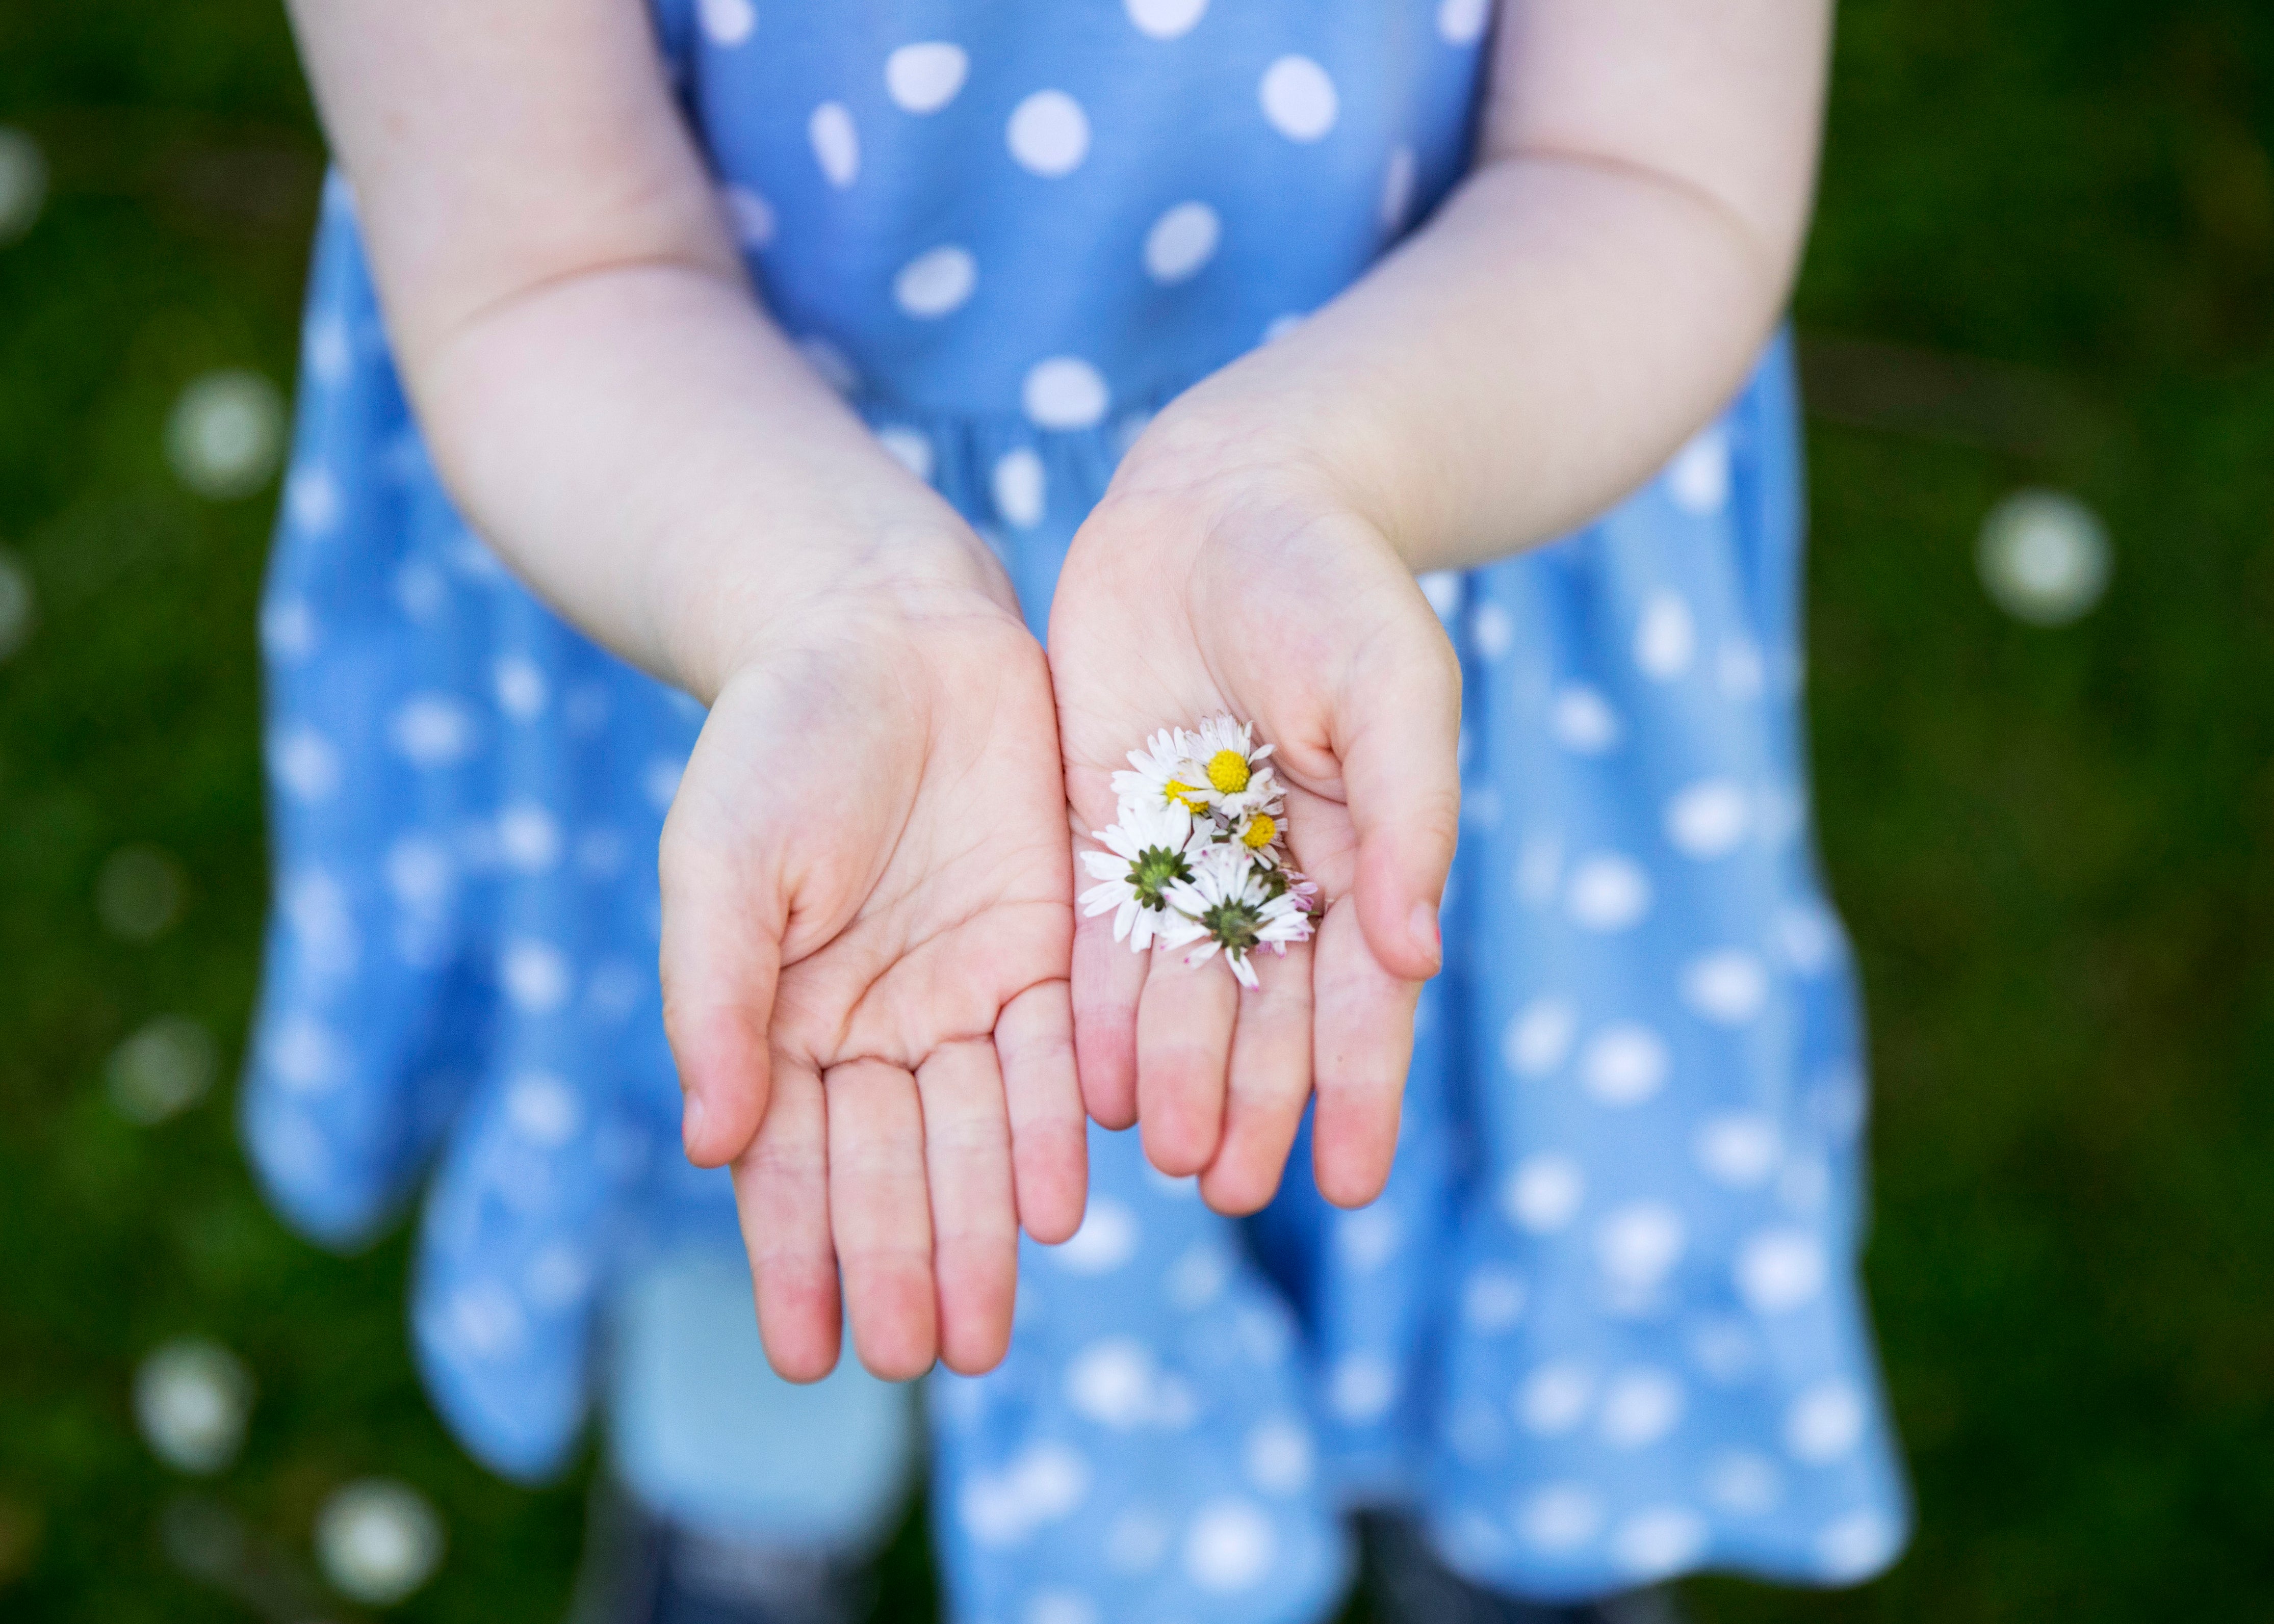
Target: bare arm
column 1585, row 299
column 604, row 397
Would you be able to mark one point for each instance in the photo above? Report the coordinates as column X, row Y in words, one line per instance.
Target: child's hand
column 1221, row 577
column 866, row 905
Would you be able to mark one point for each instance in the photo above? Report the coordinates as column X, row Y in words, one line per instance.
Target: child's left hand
column 1222, row 576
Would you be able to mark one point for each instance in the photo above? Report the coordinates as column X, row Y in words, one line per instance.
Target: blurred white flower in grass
column 139, row 892
column 2044, row 557
column 23, row 183
column 378, row 1541
column 162, row 1070
column 226, row 434
column 15, row 604
column 192, row 1400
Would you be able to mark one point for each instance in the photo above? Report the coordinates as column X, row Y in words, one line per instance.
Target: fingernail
column 1424, row 929
column 690, row 1127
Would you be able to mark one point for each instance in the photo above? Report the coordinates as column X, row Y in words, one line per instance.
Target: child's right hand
column 867, row 913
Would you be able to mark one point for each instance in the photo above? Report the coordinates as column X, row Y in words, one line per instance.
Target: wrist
column 879, row 590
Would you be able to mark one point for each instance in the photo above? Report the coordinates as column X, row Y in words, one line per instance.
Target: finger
column 1363, row 1031
column 782, row 1194
column 1397, row 737
column 880, row 1215
column 1049, row 1135
column 1109, row 977
column 720, row 959
column 1185, row 1019
column 1268, row 1083
column 975, row 1223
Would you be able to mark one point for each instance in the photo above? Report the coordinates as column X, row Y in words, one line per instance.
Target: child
column 1601, row 1327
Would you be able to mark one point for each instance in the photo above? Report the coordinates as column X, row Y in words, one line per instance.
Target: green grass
column 2055, row 848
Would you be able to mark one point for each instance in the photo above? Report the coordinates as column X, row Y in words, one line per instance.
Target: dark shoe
column 1408, row 1584
column 639, row 1569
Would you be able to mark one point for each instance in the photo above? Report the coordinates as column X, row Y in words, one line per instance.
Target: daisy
column 1164, row 774
column 1228, row 904
column 1148, row 850
column 1232, row 779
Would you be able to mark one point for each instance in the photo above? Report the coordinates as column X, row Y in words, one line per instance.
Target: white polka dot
column 1229, row 1546
column 1666, row 637
column 1659, row 1541
column 1198, row 1277
column 558, row 1277
column 1741, row 670
column 1107, row 1239
column 1560, row 1517
column 1725, row 1348
column 529, row 838
column 535, row 976
column 1780, row 1269
column 1481, row 806
column 1279, row 326
column 1582, row 721
column 728, row 22
column 422, row 591
column 1165, row 19
column 935, row 283
column 305, row 763
column 836, row 143
column 1708, row 819
column 1608, row 891
column 1279, row 1457
column 1728, row 988
column 1020, row 487
column 1744, row 1483
column 1809, row 936
column 521, row 688
column 1492, row 1300
column 1639, row 1246
column 312, row 499
column 1138, row 1540
column 909, row 448
column 288, row 629
column 1397, row 181
column 1625, row 1064
column 1639, row 1408
column 328, row 348
column 1300, row 99
column 1048, row 133
column 1181, row 241
column 1539, row 1036
column 543, row 1109
column 1823, row 1422
column 1539, row 870
column 1055, row 1606
column 1042, row 1485
column 1367, row 1238
column 1737, row 1151
column 1064, row 393
column 1857, row 1546
column 1492, row 630
column 432, row 729
column 924, row 77
column 1361, row 1387
column 751, row 216
column 1110, row 1382
column 1544, row 1192
column 1698, row 479
column 419, row 873
column 1444, row 589
column 659, row 782
column 1462, row 22
column 1554, row 1399
column 306, row 1056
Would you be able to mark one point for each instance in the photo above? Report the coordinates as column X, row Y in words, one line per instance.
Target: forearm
column 1592, row 292
column 658, row 461
column 1536, row 352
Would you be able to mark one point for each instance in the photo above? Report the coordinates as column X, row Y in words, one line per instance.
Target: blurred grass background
column 2045, row 256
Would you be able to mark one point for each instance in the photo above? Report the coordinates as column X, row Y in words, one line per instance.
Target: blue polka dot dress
column 1603, row 1328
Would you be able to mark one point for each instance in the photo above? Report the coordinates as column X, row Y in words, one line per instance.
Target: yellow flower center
column 1259, row 832
column 1181, row 795
column 1227, row 769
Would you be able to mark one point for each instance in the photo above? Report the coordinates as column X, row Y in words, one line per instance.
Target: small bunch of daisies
column 1197, row 856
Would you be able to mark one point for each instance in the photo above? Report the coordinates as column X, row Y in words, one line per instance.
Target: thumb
column 1397, row 735
column 721, row 962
